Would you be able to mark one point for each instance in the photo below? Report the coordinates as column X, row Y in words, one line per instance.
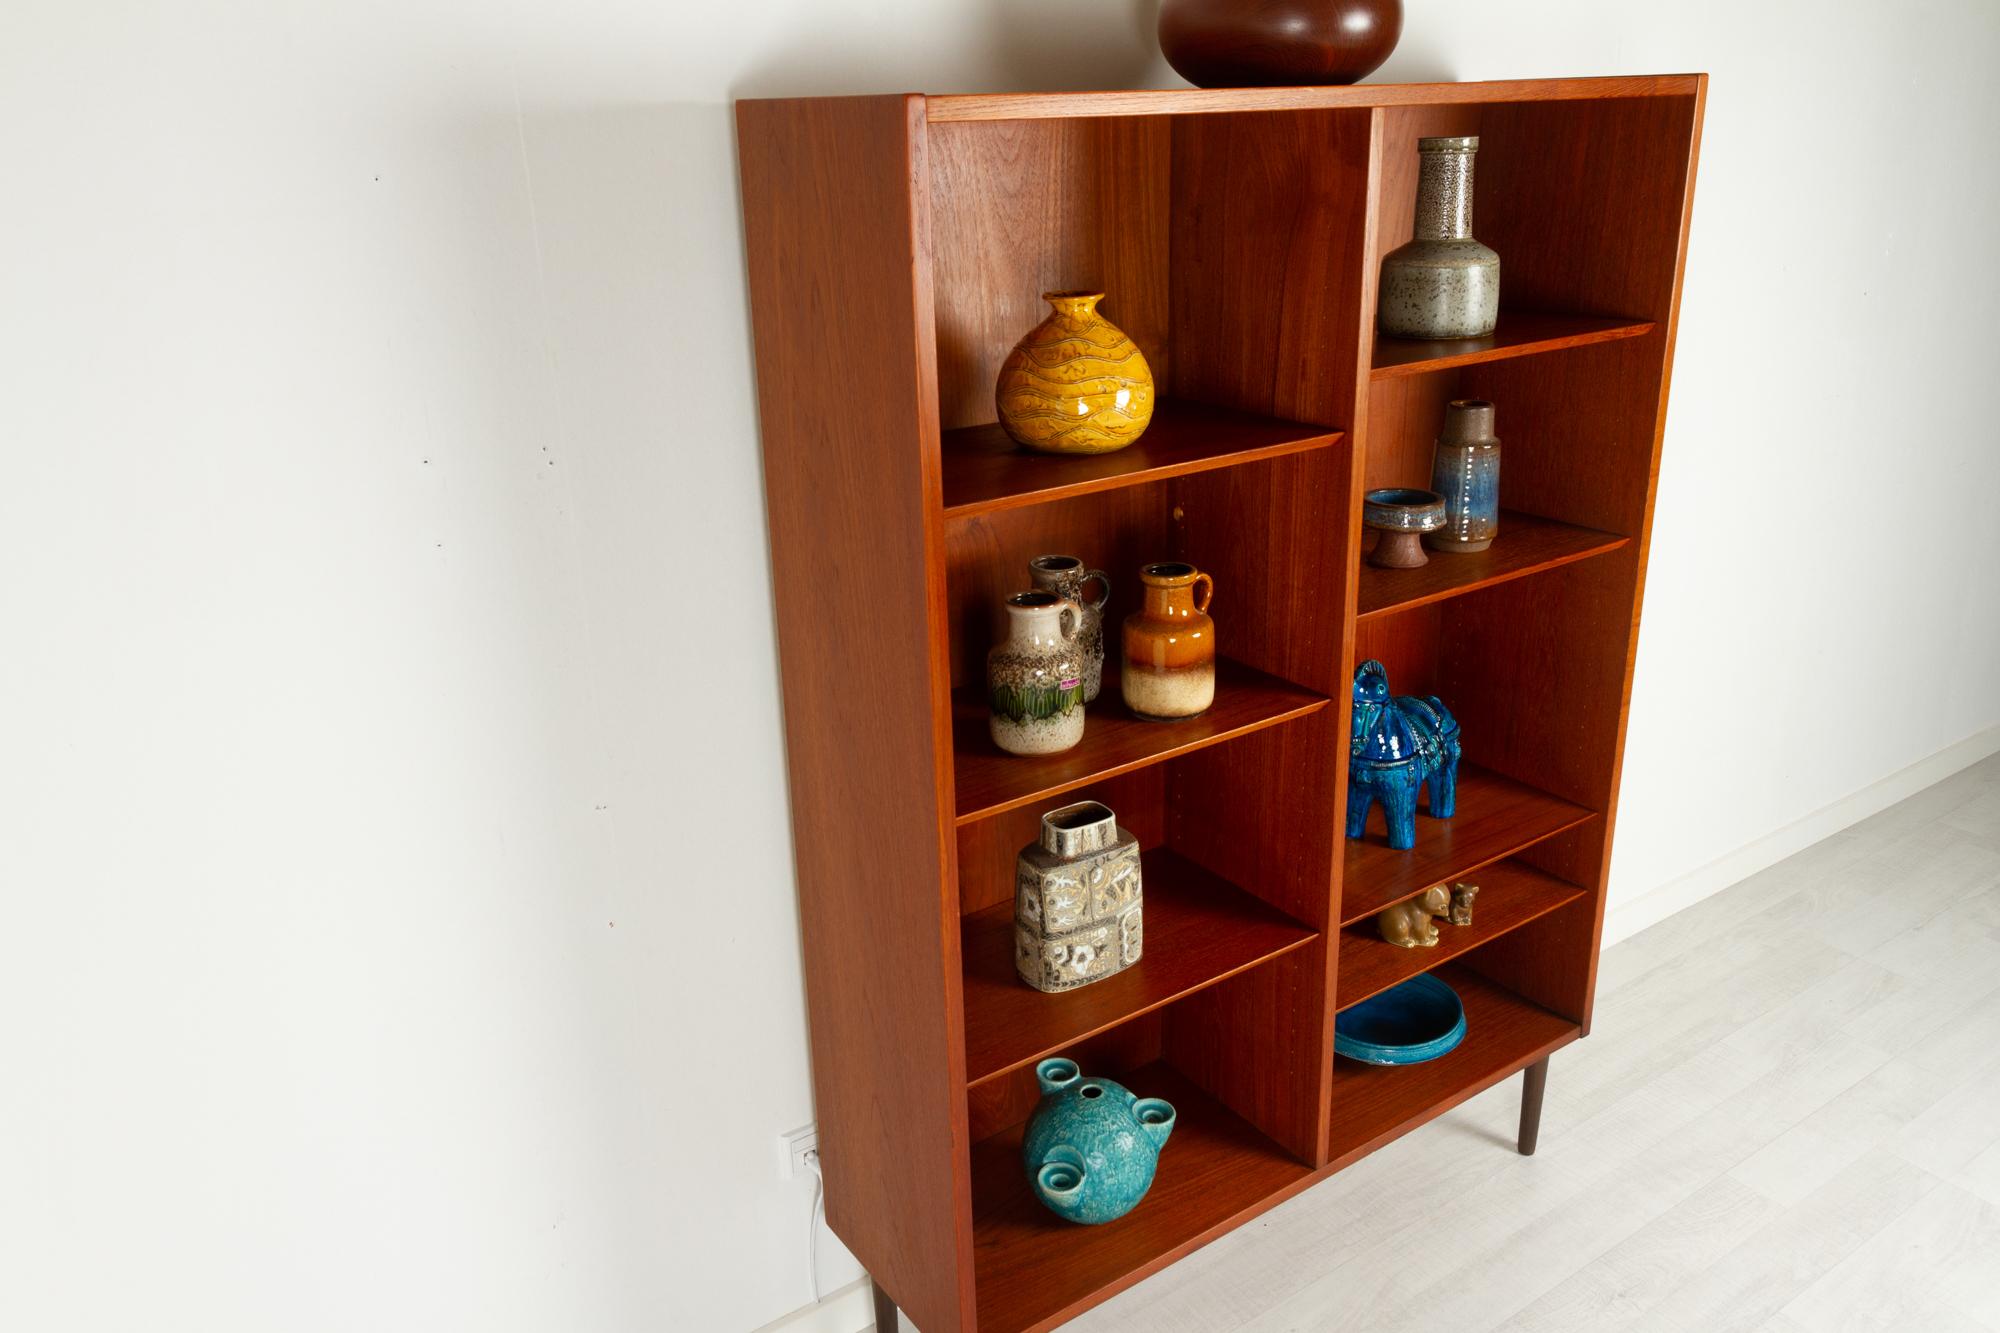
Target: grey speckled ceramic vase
column 1443, row 284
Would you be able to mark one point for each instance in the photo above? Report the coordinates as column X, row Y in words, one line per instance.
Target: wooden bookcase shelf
column 1200, row 929
column 1504, row 1032
column 1496, row 818
column 1033, row 1269
column 897, row 248
column 1511, row 894
column 1522, row 333
column 989, row 780
column 1532, row 544
column 985, row 470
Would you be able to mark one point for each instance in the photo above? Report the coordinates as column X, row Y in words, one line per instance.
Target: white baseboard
column 1656, row 905
column 849, row 1310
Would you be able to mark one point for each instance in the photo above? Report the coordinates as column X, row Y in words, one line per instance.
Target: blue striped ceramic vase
column 1466, row 472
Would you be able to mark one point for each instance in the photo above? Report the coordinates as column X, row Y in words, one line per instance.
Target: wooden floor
column 1788, row 1117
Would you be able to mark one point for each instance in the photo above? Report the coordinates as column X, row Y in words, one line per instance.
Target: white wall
column 398, row 921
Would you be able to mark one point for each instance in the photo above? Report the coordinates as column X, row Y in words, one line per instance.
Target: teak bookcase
column 898, row 247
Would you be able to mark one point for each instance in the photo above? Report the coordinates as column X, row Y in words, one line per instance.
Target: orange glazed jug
column 1169, row 668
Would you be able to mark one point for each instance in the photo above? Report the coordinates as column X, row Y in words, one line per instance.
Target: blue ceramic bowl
column 1405, row 1025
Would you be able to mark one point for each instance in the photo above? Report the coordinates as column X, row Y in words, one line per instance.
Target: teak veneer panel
column 1035, row 1270
column 1511, row 894
column 1527, row 545
column 1496, row 817
column 830, row 224
column 1504, row 1033
column 1222, row 101
column 990, row 780
column 1199, row 929
column 1519, row 333
column 985, row 470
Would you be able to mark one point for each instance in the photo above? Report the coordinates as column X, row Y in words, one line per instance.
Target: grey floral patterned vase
column 1077, row 901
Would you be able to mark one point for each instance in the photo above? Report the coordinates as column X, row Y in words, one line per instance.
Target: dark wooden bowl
column 1275, row 43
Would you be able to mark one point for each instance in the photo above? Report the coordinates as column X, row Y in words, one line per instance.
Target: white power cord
column 812, row 1222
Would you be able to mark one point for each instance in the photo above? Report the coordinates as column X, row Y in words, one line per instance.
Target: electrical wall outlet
column 793, row 1149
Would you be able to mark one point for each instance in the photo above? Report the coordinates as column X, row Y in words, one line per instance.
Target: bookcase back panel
column 1023, row 207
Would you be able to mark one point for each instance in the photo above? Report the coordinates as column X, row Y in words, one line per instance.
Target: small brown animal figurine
column 1411, row 924
column 1462, row 895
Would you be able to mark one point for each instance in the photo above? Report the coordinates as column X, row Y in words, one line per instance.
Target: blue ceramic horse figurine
column 1396, row 746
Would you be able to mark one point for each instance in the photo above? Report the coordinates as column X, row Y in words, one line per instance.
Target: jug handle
column 1069, row 618
column 1206, row 585
column 1103, row 580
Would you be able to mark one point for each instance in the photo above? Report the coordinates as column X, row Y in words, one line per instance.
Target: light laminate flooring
column 1787, row 1117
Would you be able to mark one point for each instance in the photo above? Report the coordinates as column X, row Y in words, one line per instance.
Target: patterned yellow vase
column 1077, row 384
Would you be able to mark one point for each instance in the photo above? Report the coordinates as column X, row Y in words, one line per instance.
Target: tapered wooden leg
column 1534, row 1081
column 885, row 1309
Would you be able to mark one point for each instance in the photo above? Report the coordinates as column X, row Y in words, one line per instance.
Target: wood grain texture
column 1504, row 1034
column 1223, row 1171
column 1527, row 545
column 898, row 249
column 1040, row 206
column 990, row 780
column 987, row 847
column 1200, row 929
column 1519, row 333
column 1497, row 817
column 1223, row 101
column 1511, row 894
column 841, row 310
column 985, row 470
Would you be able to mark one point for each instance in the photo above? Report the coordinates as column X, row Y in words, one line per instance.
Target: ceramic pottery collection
column 1402, row 515
column 1034, row 680
column 1397, row 745
column 1169, row 664
column 1076, row 384
column 1443, row 284
column 1092, row 1146
column 1465, row 470
column 1277, row 43
column 1077, row 900
column 1065, row 576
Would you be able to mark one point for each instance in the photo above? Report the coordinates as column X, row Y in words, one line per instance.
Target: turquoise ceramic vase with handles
column 1092, row 1145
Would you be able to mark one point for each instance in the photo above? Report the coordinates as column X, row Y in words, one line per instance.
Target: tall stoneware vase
column 1034, row 680
column 1168, row 672
column 1443, row 284
column 1076, row 384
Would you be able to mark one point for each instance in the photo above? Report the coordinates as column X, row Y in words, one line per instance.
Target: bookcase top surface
column 938, row 108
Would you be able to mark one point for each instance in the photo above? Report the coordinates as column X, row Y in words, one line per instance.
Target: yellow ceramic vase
column 1077, row 384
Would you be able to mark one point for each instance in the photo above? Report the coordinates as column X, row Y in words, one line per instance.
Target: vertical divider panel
column 1272, row 222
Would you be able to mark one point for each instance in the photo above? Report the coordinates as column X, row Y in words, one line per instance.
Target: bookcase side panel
column 835, row 230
